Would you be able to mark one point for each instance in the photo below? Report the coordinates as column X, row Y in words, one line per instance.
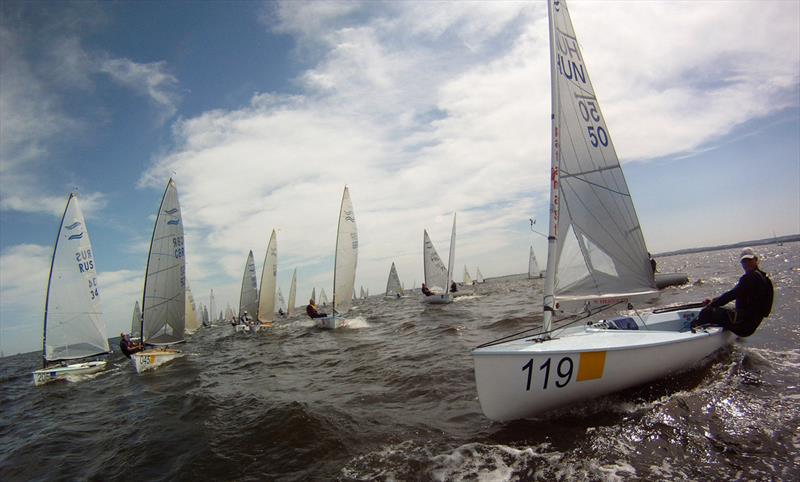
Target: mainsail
column 478, row 275
column 269, row 280
column 164, row 301
column 323, row 298
column 292, row 293
column 451, row 260
column 73, row 319
column 248, row 297
column 192, row 323
column 346, row 258
column 434, row 268
column 136, row 321
column 533, row 266
column 393, row 287
column 467, row 278
column 596, row 245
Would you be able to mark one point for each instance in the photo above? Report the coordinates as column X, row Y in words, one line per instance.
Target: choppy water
column 393, row 398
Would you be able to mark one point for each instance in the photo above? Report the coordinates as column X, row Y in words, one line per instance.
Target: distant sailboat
column 248, row 296
column 394, row 290
column 362, row 294
column 136, row 322
column 596, row 257
column 323, row 298
column 438, row 277
column 74, row 328
column 164, row 299
column 345, row 262
column 292, row 294
column 478, row 276
column 269, row 281
column 467, row 278
column 212, row 307
column 314, row 295
column 533, row 266
column 192, row 323
column 281, row 302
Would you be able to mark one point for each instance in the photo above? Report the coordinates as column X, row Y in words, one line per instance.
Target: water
column 393, row 398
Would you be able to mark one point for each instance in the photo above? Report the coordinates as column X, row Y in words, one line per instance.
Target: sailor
column 426, row 291
column 753, row 294
column 280, row 312
column 127, row 346
column 653, row 264
column 453, row 287
column 312, row 312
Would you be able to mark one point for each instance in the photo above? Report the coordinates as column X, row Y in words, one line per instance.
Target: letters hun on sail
column 269, row 281
column 600, row 247
column 164, row 302
column 344, row 275
column 73, row 322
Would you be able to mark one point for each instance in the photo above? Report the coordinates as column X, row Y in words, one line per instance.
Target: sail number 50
column 562, row 375
column 597, row 134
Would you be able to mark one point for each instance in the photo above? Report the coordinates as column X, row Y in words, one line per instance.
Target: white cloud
column 152, row 80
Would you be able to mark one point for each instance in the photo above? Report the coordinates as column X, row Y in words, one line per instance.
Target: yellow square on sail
column 591, row 365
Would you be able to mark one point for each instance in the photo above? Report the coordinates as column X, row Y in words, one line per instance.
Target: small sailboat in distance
column 164, row 298
column 345, row 263
column 136, row 323
column 292, row 294
column 323, row 298
column 74, row 328
column 533, row 266
column 596, row 257
column 438, row 276
column 394, row 289
column 269, row 281
column 314, row 295
column 467, row 277
column 478, row 275
column 192, row 323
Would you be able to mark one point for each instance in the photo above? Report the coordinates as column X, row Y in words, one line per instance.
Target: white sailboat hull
column 151, row 359
column 523, row 378
column 70, row 372
column 330, row 322
column 437, row 299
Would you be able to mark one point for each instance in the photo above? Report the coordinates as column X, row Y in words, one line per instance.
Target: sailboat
column 467, row 277
column 248, row 296
column 164, row 298
column 362, row 294
column 269, row 281
column 292, row 294
column 192, row 323
column 394, row 289
column 478, row 275
column 314, row 295
column 438, row 276
column 345, row 262
column 136, row 323
column 323, row 298
column 281, row 303
column 212, row 306
column 533, row 266
column 596, row 255
column 74, row 328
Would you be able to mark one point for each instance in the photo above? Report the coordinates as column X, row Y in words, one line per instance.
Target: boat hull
column 330, row 322
column 523, row 378
column 70, row 372
column 152, row 359
column 437, row 299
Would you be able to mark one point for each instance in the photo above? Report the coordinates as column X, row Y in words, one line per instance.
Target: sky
column 263, row 112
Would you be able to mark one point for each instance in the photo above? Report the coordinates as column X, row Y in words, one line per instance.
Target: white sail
column 314, row 295
column 292, row 293
column 229, row 315
column 434, row 269
column 361, row 293
column 73, row 319
column 467, row 278
column 281, row 301
column 478, row 275
column 164, row 302
column 393, row 287
column 344, row 273
column 533, row 266
column 248, row 297
column 192, row 323
column 323, row 298
column 212, row 305
column 599, row 249
column 269, row 280
column 451, row 260
column 136, row 321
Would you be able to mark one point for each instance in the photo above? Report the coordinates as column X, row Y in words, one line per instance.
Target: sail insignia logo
column 171, row 211
column 73, row 225
column 75, row 236
column 174, row 221
column 349, row 216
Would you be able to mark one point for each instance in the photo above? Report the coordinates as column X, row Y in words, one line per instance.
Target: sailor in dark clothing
column 453, row 287
column 425, row 290
column 127, row 346
column 312, row 312
column 753, row 294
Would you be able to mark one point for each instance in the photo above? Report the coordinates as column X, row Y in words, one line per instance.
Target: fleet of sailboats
column 164, row 297
column 74, row 329
column 596, row 256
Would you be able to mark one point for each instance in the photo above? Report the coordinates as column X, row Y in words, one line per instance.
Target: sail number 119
column 562, row 376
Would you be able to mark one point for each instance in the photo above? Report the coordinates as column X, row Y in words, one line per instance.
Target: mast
column 552, row 241
column 50, row 280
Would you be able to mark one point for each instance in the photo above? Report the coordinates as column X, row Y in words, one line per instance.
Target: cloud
column 151, row 80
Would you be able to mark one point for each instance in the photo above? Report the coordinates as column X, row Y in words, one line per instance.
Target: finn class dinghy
column 533, row 266
column 344, row 266
column 467, row 278
column 478, row 276
column 438, row 276
column 394, row 290
column 164, row 298
column 192, row 323
column 292, row 294
column 136, row 323
column 74, row 330
column 269, row 281
column 596, row 256
column 248, row 296
column 323, row 298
